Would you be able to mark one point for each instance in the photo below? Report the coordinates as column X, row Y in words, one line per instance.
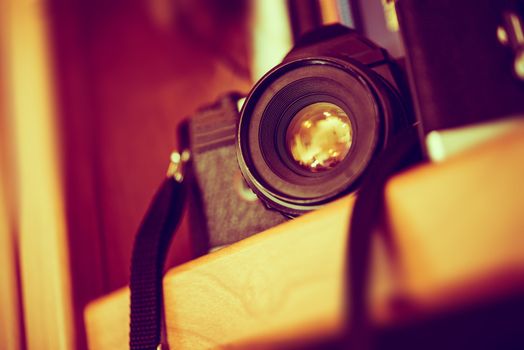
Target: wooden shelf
column 458, row 227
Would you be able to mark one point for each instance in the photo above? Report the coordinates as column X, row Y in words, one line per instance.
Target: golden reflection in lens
column 319, row 136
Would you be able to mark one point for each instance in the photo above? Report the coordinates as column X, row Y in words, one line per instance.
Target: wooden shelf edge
column 287, row 282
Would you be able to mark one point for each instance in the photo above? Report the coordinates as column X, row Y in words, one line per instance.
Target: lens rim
column 264, row 112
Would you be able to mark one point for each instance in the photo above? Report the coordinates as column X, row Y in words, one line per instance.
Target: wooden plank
column 459, row 224
column 301, row 260
column 287, row 279
column 9, row 299
column 10, row 332
column 10, row 323
column 457, row 227
column 40, row 216
column 107, row 321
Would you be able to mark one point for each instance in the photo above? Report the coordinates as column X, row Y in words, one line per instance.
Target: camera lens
column 319, row 136
column 309, row 130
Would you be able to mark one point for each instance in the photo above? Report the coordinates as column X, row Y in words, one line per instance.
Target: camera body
column 245, row 179
column 222, row 208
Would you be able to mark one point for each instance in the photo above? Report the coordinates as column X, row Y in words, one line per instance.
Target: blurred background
column 91, row 92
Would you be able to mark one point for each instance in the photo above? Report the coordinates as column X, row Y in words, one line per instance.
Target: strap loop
column 149, row 253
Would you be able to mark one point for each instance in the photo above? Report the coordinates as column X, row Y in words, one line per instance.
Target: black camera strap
column 402, row 152
column 149, row 253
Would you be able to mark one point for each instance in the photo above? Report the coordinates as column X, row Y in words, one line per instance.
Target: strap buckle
column 175, row 169
column 511, row 33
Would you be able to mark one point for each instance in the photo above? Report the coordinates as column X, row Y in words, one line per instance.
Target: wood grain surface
column 457, row 227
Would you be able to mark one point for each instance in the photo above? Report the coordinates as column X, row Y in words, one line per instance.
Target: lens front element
column 310, row 129
column 319, row 136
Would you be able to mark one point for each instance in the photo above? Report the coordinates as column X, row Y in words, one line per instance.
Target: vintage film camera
column 305, row 135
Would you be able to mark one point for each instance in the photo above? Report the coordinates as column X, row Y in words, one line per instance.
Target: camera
column 305, row 135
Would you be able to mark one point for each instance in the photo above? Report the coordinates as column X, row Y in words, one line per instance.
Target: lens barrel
column 309, row 129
